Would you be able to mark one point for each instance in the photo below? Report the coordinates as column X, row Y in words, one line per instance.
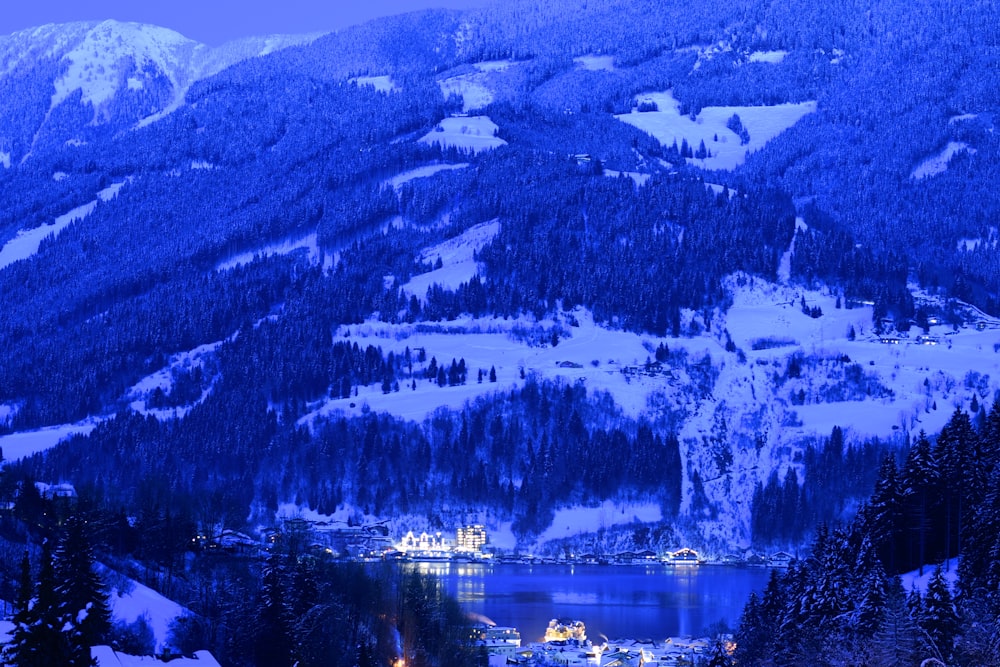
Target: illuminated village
column 566, row 643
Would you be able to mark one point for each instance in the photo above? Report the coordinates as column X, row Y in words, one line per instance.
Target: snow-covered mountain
column 689, row 240
column 120, row 73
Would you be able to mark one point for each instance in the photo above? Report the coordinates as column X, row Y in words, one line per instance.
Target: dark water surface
column 618, row 601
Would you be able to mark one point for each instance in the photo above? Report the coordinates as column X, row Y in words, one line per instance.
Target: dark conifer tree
column 273, row 641
column 83, row 600
column 920, row 486
column 938, row 616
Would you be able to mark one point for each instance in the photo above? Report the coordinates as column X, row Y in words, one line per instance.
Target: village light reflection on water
column 639, row 601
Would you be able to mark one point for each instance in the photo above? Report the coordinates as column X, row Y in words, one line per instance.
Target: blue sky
column 216, row 21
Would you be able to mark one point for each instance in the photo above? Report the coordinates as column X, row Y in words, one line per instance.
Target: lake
column 617, row 601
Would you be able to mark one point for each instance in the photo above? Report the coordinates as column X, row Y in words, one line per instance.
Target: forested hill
column 495, row 263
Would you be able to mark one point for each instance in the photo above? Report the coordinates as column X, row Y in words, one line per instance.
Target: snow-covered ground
column 383, row 84
column 772, row 57
column 596, row 63
column 26, row 242
column 572, row 521
column 474, row 87
column 917, row 580
column 667, row 125
column 25, row 443
column 475, row 133
column 471, row 88
column 307, row 241
column 160, row 611
column 140, row 392
column 638, row 177
column 938, row 164
column 422, row 172
column 457, row 259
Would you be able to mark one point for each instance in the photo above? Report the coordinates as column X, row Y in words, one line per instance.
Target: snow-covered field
column 639, row 178
column 422, row 172
column 772, row 57
column 25, row 443
column 308, row 242
column 475, row 133
column 596, row 63
column 26, row 242
column 474, row 87
column 160, row 611
column 457, row 259
column 383, row 84
column 667, row 125
column 938, row 164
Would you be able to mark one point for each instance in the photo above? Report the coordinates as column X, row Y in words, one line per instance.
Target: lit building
column 471, row 538
column 497, row 640
column 426, row 545
column 562, row 631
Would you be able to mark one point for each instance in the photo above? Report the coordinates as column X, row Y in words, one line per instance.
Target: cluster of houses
column 566, row 644
column 470, row 542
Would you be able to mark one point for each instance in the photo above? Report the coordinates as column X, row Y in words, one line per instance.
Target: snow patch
column 772, row 57
column 5, row 159
column 139, row 393
column 570, row 521
column 421, row 172
column 475, row 133
column 309, row 242
column 383, row 83
column 494, row 65
column 668, row 126
column 595, row 63
column 25, row 443
column 962, row 117
column 457, row 256
column 141, row 600
column 639, row 178
column 474, row 87
column 938, row 164
column 915, row 580
column 27, row 241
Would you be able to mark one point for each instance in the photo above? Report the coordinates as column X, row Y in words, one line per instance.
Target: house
column 684, row 556
column 53, row 491
column 497, row 640
column 780, row 559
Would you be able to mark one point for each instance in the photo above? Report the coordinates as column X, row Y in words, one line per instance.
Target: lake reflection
column 638, row 601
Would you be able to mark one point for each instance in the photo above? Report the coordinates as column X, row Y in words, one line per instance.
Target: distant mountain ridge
column 125, row 72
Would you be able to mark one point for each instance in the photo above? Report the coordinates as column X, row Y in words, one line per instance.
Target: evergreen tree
column 920, row 486
column 39, row 640
column 883, row 515
column 272, row 642
column 960, row 478
column 938, row 616
column 896, row 643
column 753, row 634
column 18, row 650
column 83, row 600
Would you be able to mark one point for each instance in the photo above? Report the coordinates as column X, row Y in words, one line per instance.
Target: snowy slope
column 667, row 125
column 101, row 59
column 751, row 408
